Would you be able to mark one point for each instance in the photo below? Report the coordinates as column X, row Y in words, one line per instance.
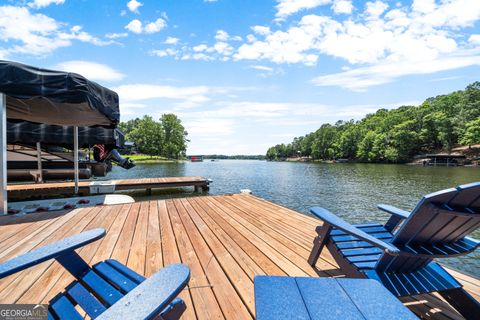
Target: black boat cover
column 56, row 97
column 29, row 133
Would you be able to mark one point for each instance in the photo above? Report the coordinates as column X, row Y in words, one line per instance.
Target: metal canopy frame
column 3, row 154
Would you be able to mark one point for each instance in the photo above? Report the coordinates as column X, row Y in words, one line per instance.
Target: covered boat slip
column 50, row 97
column 226, row 240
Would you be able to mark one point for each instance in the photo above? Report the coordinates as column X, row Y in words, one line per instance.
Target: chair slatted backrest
column 442, row 217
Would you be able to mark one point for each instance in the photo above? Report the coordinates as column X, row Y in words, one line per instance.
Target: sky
column 244, row 75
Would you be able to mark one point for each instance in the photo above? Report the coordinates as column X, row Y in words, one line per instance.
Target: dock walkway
column 25, row 191
column 226, row 241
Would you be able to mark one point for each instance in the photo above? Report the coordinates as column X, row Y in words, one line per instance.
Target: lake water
column 349, row 190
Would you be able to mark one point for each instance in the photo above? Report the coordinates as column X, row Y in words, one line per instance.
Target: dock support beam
column 39, row 163
column 75, row 157
column 3, row 154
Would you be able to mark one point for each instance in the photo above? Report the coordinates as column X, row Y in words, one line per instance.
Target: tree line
column 395, row 135
column 166, row 137
column 235, row 157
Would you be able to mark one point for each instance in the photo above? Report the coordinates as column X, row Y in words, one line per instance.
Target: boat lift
column 50, row 97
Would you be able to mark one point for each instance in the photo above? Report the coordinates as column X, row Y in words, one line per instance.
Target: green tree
column 127, row 127
column 396, row 135
column 175, row 136
column 148, row 136
column 472, row 132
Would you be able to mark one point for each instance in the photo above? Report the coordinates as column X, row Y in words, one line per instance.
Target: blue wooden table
column 325, row 298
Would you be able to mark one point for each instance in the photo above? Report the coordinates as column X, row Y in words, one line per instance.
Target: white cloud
column 360, row 79
column 376, row 8
column 200, row 48
column 408, row 36
column 76, row 33
column 90, row 70
column 116, row 35
column 134, row 26
column 209, row 127
column 23, row 32
column 342, row 6
column 156, row 26
column 292, row 46
column 133, row 6
column 262, row 68
column 265, row 72
column 37, row 4
column 289, row 7
column 424, row 6
column 165, row 53
column 221, row 35
column 474, row 38
column 261, row 30
column 142, row 92
column 210, row 0
column 171, row 40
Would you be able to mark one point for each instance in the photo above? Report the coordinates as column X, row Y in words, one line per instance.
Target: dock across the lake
column 226, row 240
column 26, row 191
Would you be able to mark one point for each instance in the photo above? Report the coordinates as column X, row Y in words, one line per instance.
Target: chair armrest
column 394, row 211
column 50, row 251
column 341, row 224
column 151, row 296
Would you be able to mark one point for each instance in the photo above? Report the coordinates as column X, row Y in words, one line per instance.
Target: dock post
column 75, row 157
column 3, row 154
column 206, row 186
column 39, row 163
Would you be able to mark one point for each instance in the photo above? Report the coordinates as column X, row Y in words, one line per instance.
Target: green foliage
column 234, row 157
column 175, row 142
column 394, row 135
column 472, row 132
column 166, row 138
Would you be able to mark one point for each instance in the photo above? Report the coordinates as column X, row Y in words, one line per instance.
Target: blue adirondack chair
column 108, row 290
column 401, row 257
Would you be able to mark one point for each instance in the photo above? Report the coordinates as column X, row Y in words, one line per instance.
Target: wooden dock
column 226, row 241
column 32, row 190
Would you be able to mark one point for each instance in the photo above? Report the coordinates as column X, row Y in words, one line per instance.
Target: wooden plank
column 104, row 248
column 154, row 259
column 214, row 235
column 55, row 272
column 216, row 210
column 136, row 257
column 226, row 231
column 23, row 191
column 25, row 246
column 304, row 224
column 171, row 255
column 206, row 305
column 125, row 240
column 278, row 232
column 229, row 239
column 270, row 218
column 221, row 269
column 79, row 219
column 301, row 266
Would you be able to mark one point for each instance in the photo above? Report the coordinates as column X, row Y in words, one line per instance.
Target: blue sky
column 244, row 75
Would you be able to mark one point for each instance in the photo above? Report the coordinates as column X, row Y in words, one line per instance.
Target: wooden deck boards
column 25, row 191
column 226, row 241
